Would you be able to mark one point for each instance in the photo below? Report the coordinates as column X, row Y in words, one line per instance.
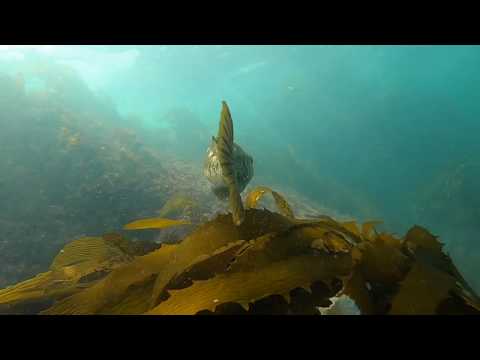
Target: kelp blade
column 154, row 223
column 254, row 196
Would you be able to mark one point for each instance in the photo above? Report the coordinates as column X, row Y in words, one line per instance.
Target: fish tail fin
column 238, row 212
column 225, row 156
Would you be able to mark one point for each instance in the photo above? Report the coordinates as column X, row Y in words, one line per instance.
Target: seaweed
column 254, row 196
column 274, row 262
column 154, row 223
column 75, row 268
column 284, row 266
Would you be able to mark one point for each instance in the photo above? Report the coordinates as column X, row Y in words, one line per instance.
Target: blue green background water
column 393, row 129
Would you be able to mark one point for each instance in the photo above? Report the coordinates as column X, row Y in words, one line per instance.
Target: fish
column 228, row 167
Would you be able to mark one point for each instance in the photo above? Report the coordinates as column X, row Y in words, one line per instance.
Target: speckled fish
column 227, row 166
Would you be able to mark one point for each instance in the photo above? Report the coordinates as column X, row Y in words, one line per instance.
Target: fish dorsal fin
column 225, row 156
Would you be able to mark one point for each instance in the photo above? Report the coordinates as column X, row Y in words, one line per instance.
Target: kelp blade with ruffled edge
column 254, row 196
column 154, row 223
column 269, row 256
column 78, row 265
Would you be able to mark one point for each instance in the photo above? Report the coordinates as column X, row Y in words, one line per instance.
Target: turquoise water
column 388, row 132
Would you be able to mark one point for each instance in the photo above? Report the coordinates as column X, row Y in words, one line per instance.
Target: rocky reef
column 70, row 166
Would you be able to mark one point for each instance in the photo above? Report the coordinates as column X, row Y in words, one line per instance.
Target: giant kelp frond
column 247, row 287
column 433, row 280
column 257, row 256
column 154, row 223
column 77, row 266
column 31, row 289
column 111, row 291
column 85, row 254
column 254, row 196
column 271, row 263
column 422, row 291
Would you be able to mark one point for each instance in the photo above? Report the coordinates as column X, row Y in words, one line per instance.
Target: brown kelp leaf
column 458, row 305
column 351, row 226
column 209, row 237
column 256, row 194
column 85, row 255
column 31, row 290
column 298, row 239
column 206, row 267
column 335, row 243
column 154, row 223
column 329, row 225
column 260, row 222
column 246, row 287
column 135, row 300
column 331, row 243
column 356, row 255
column 114, row 288
column 422, row 291
column 418, row 236
column 262, row 251
column 367, row 229
column 318, row 244
column 282, row 205
column 382, row 262
column 129, row 247
column 265, row 250
column 389, row 240
column 427, row 249
column 255, row 255
column 77, row 266
column 205, row 240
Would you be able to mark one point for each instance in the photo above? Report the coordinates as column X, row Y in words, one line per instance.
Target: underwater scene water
column 94, row 138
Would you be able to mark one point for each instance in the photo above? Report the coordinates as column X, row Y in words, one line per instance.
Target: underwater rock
column 73, row 161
